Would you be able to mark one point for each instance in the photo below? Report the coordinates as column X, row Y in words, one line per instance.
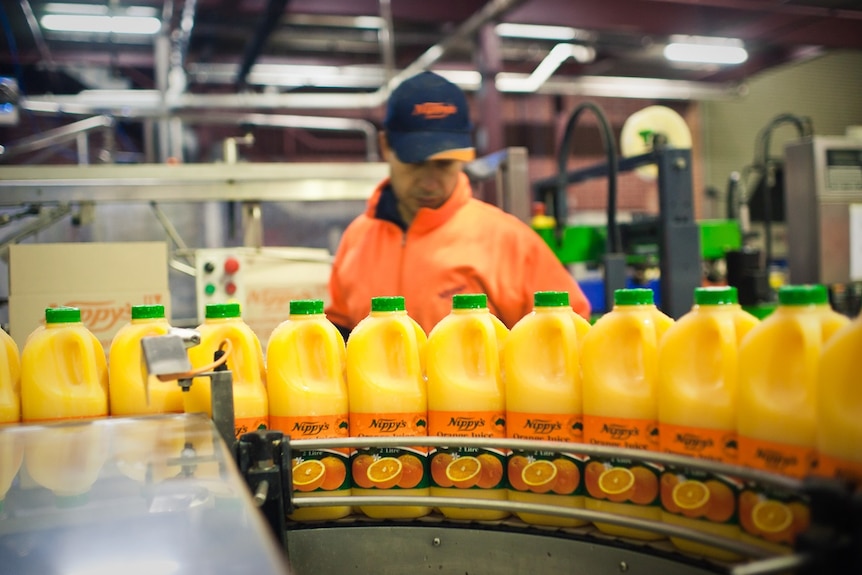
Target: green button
column 209, row 289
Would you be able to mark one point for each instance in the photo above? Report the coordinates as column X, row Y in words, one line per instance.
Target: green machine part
column 586, row 244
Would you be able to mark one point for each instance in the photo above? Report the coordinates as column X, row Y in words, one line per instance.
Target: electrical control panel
column 262, row 280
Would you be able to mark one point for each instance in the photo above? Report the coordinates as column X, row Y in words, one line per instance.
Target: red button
column 231, row 265
column 230, row 288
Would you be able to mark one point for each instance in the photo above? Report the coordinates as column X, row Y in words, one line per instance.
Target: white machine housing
column 823, row 187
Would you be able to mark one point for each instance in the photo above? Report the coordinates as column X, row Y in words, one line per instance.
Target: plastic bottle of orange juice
column 839, row 406
column 777, row 421
column 10, row 380
column 67, row 459
column 64, row 374
column 305, row 361
column 11, row 456
column 466, row 398
column 388, row 398
column 127, row 376
column 697, row 391
column 542, row 373
column 245, row 361
column 619, row 361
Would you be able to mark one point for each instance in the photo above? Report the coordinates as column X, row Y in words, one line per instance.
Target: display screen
column 844, row 170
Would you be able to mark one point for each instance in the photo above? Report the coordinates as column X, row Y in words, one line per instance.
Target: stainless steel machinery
column 823, row 186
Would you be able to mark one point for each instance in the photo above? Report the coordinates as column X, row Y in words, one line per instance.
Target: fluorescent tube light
column 705, row 50
column 535, row 31
column 101, row 24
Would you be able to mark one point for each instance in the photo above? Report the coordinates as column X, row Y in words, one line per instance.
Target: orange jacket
column 465, row 246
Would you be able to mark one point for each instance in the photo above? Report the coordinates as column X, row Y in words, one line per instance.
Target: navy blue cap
column 427, row 118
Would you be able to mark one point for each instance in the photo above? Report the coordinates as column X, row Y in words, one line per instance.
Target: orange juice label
column 545, row 472
column 713, row 444
column 466, row 424
column 311, row 427
column 620, row 480
column 620, row 432
column 468, row 467
column 699, row 495
column 243, row 425
column 545, row 426
column 388, row 424
column 790, row 460
column 829, row 466
column 320, row 470
column 389, row 468
column 774, row 515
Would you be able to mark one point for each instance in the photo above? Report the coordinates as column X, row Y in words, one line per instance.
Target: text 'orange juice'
column 466, row 399
column 544, row 401
column 388, row 398
column 620, row 370
column 697, row 403
column 305, row 360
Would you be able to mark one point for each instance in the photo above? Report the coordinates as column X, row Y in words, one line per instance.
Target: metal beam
column 268, row 22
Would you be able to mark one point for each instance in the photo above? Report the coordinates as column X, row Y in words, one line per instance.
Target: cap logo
column 434, row 110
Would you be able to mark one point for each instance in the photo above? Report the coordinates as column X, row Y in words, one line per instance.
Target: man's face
column 425, row 185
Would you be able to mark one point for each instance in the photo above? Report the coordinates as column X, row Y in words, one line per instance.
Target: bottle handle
column 726, row 330
column 333, row 360
column 84, row 345
column 489, row 341
column 244, row 350
column 409, row 337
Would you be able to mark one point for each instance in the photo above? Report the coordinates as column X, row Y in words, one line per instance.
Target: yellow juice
column 619, row 361
column 10, row 380
column 307, row 390
column 388, row 398
column 245, row 362
column 839, row 406
column 541, row 367
column 466, row 399
column 777, row 421
column 127, row 375
column 697, row 402
column 64, row 374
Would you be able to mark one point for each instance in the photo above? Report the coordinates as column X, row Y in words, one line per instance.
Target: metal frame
column 679, row 236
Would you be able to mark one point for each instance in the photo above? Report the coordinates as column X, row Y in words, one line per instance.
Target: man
column 423, row 236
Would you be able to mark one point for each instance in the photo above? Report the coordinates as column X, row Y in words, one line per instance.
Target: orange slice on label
column 308, row 475
column 539, row 473
column 771, row 516
column 464, row 471
column 616, row 480
column 385, row 472
column 690, row 494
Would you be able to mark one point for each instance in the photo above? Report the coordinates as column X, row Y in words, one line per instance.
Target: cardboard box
column 104, row 280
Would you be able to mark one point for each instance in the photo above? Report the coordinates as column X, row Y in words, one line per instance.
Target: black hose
column 560, row 200
column 769, row 167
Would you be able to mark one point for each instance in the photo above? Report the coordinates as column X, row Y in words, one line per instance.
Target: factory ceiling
column 326, row 48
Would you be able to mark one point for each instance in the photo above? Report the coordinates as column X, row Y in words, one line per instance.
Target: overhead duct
column 268, row 21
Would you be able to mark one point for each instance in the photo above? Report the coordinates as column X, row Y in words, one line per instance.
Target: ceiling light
column 705, row 50
column 101, row 24
column 536, row 31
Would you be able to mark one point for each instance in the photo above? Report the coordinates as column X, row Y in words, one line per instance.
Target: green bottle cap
column 387, row 303
column 637, row 296
column 469, row 301
column 811, row 294
column 148, row 311
column 723, row 295
column 222, row 310
column 62, row 315
column 551, row 299
column 306, row 307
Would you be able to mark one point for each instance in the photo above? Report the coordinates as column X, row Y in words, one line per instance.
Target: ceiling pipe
column 38, row 38
column 267, row 23
column 385, row 34
column 365, row 127
column 546, row 68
